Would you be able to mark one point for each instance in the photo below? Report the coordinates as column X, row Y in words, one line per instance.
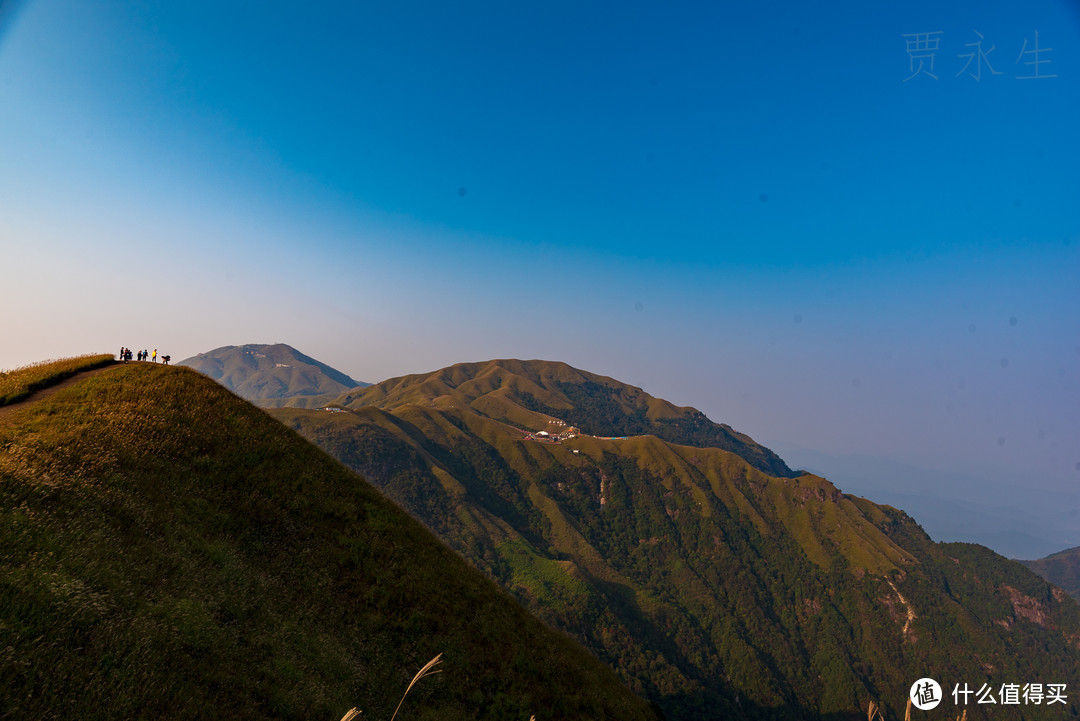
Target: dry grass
column 427, row 670
column 873, row 713
column 19, row 383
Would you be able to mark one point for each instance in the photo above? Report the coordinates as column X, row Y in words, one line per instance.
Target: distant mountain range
column 270, row 374
column 1062, row 569
column 714, row 579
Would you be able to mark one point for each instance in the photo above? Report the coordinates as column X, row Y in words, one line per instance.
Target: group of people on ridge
column 125, row 355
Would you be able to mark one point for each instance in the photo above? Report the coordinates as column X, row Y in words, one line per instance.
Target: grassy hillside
column 1061, row 569
column 167, row 550
column 716, row 590
column 270, row 374
column 540, row 394
column 19, row 383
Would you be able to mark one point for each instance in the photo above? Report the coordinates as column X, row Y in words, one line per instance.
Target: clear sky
column 852, row 227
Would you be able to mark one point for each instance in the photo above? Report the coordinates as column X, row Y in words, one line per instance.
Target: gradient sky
column 772, row 212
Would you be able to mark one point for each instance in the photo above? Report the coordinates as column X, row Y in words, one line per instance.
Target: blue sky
column 769, row 211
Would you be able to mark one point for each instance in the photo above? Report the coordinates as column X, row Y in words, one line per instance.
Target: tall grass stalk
column 425, row 671
column 873, row 713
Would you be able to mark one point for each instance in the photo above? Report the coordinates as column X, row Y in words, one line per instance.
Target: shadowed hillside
column 270, row 374
column 167, row 550
column 715, row 589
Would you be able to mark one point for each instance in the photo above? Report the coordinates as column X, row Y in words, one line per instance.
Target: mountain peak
column 269, row 374
column 530, row 394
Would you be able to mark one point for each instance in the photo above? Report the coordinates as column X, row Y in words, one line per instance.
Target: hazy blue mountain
column 1061, row 569
column 271, row 375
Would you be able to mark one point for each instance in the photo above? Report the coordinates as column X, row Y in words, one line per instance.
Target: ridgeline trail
column 6, row 412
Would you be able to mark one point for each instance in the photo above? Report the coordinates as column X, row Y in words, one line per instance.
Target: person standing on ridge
column 154, row 356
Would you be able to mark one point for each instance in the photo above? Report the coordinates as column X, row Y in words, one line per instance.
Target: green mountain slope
column 550, row 395
column 715, row 589
column 270, row 375
column 1061, row 569
column 168, row 550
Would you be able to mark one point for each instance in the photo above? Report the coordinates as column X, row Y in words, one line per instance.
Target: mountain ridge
column 712, row 586
column 950, row 506
column 537, row 394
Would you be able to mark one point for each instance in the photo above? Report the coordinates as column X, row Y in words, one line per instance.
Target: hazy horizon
column 848, row 228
